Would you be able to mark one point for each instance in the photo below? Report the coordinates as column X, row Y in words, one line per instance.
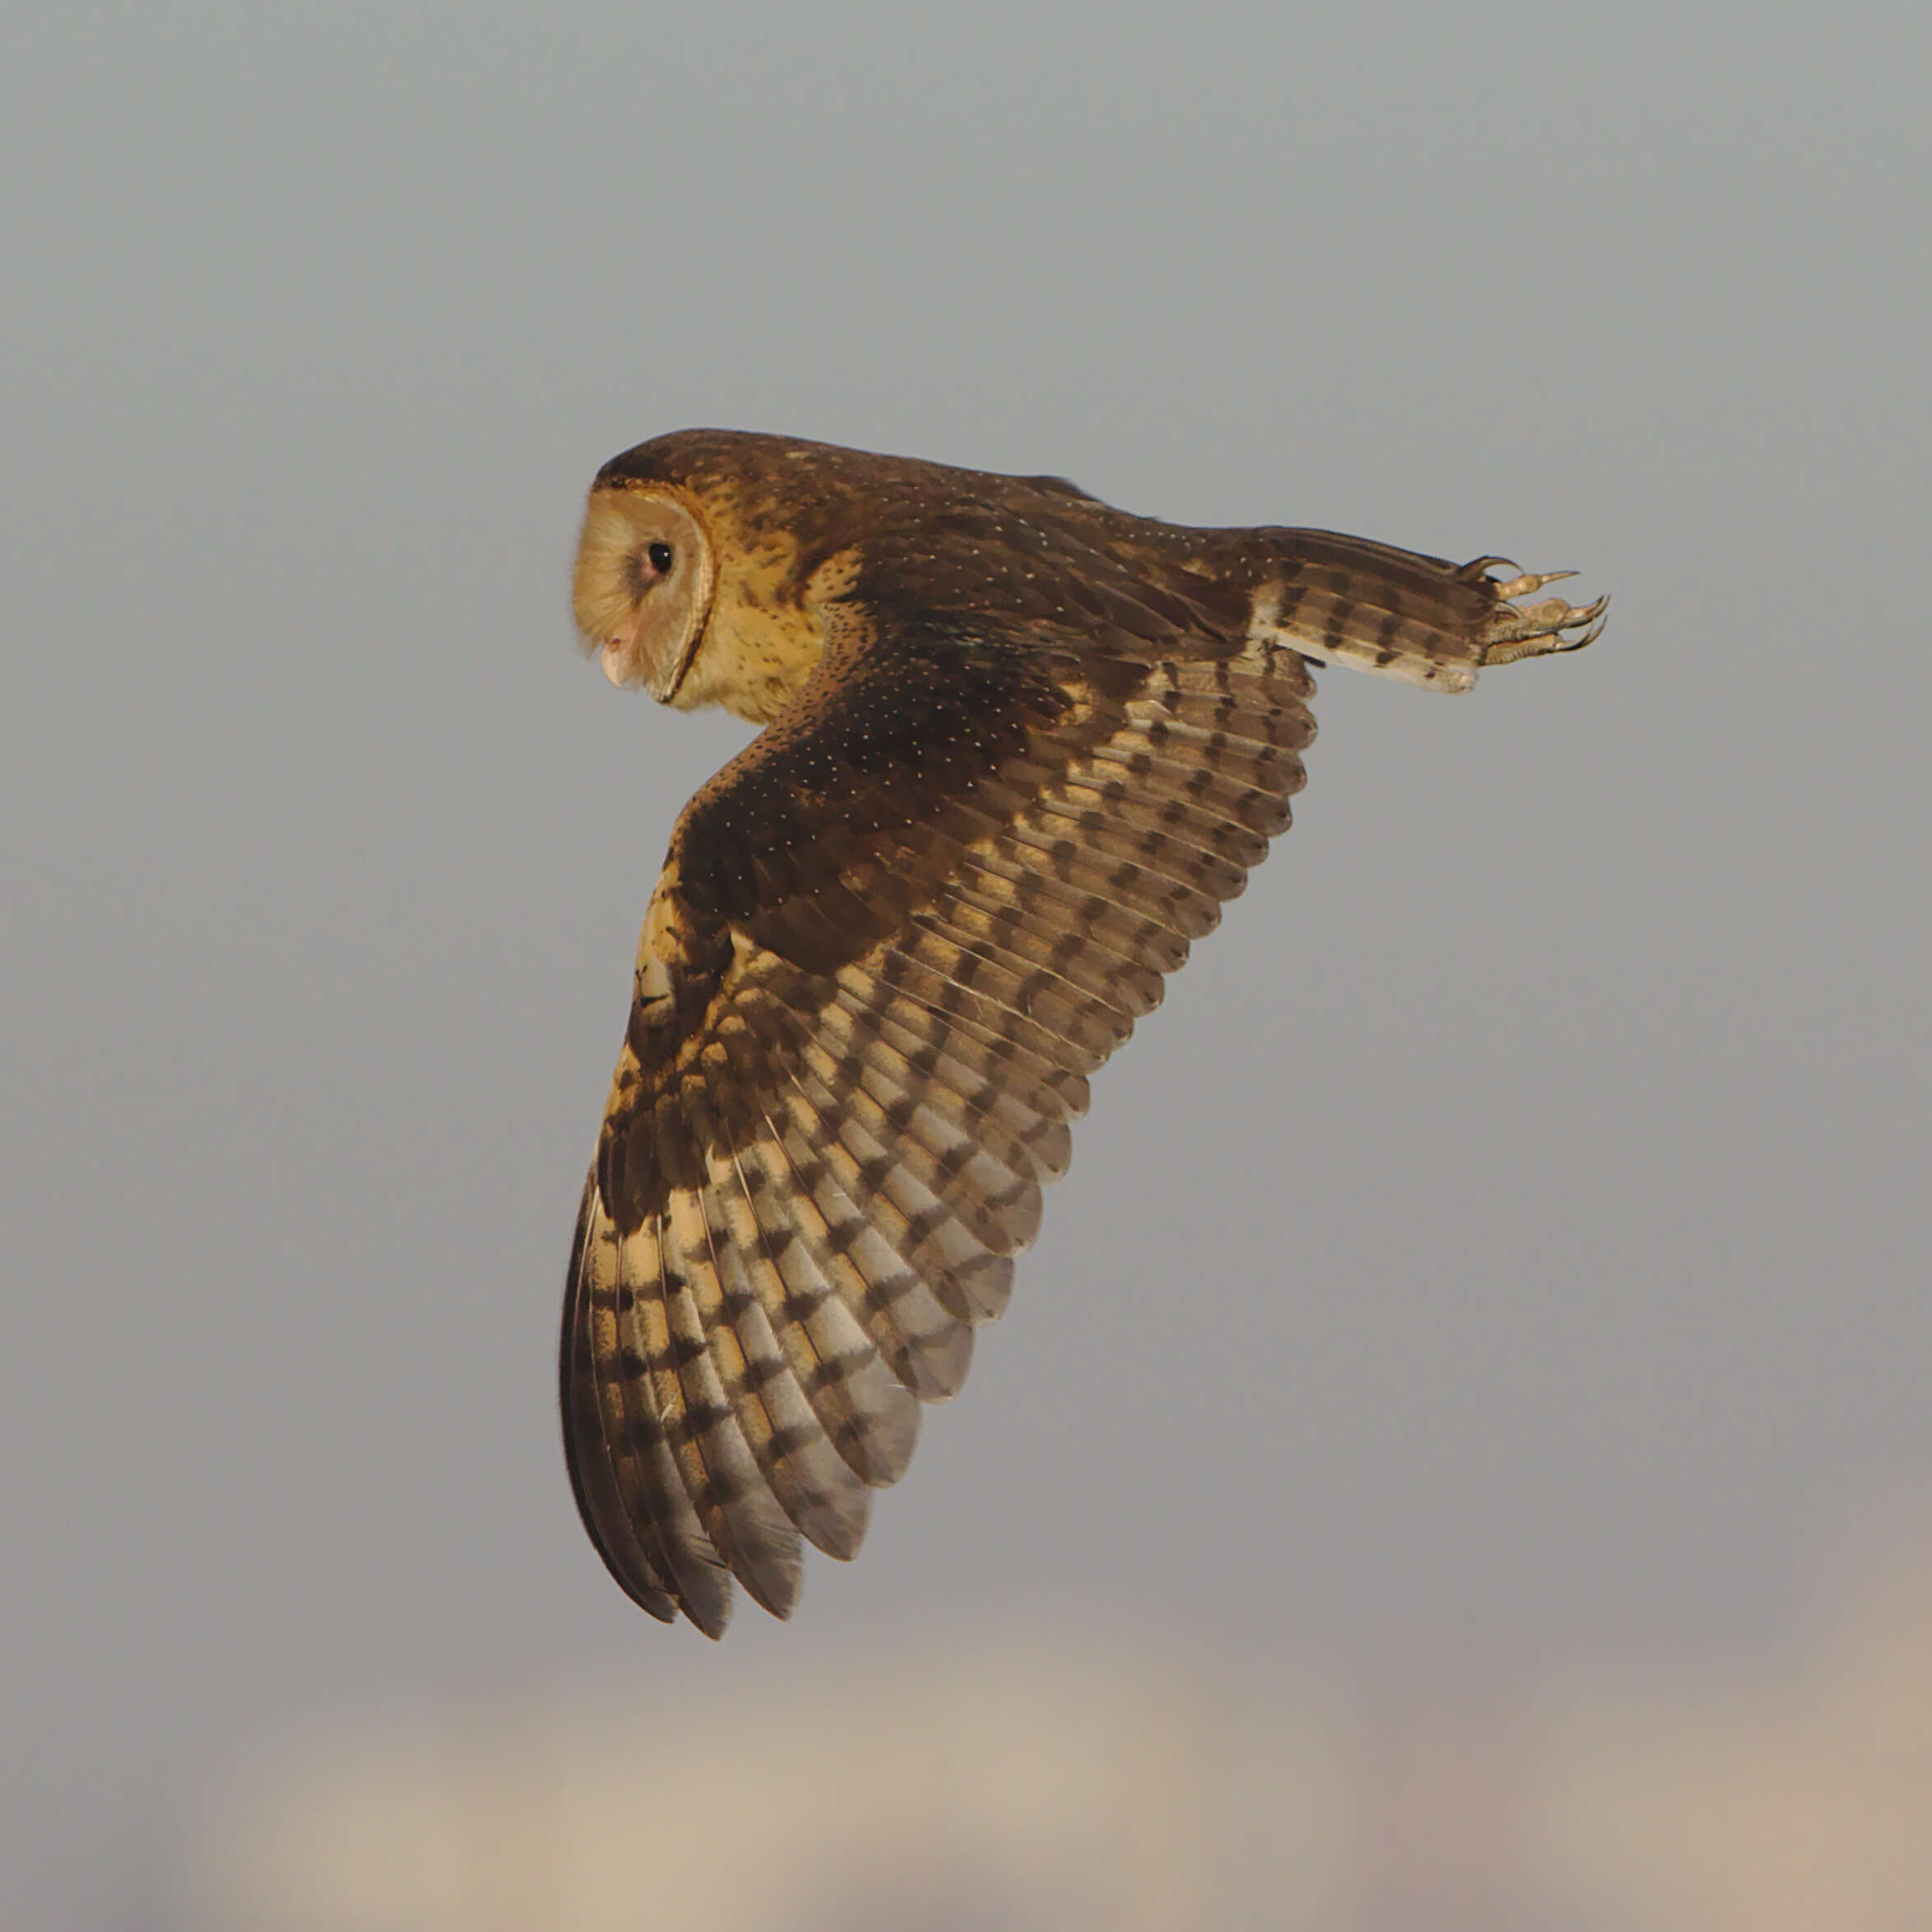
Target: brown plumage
column 1021, row 746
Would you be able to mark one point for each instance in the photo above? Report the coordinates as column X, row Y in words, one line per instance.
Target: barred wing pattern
column 891, row 940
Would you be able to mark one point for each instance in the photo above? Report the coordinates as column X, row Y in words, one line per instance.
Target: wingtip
column 710, row 1614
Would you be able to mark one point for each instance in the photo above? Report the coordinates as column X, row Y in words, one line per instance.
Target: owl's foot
column 1533, row 631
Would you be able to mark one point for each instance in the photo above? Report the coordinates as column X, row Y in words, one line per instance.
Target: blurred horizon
column 1065, row 1770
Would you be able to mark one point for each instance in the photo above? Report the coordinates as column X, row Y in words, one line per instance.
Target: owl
column 1019, row 748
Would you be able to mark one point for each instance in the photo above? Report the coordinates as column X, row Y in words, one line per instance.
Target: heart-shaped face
column 642, row 586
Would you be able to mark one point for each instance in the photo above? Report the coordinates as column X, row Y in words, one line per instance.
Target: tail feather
column 1422, row 619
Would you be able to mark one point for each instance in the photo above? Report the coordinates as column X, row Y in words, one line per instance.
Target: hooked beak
column 621, row 661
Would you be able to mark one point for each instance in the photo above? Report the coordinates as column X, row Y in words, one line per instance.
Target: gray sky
column 1522, row 1202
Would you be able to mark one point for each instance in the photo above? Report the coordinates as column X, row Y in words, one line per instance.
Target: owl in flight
column 1019, row 747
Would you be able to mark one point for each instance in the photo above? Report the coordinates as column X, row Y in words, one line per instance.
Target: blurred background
column 1458, row 1455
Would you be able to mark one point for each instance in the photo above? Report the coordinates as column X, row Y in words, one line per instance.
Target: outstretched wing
column 891, row 940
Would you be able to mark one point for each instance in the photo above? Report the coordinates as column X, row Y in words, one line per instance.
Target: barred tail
column 1423, row 619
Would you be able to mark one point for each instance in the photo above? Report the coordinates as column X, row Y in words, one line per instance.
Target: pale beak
column 618, row 657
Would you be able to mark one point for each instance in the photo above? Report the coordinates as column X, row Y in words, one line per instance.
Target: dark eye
column 660, row 558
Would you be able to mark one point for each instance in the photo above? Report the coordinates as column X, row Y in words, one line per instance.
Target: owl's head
column 645, row 573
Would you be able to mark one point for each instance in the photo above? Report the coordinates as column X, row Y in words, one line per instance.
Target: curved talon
column 1535, row 630
column 1595, row 630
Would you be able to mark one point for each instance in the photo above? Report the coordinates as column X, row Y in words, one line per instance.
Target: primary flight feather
column 1020, row 746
